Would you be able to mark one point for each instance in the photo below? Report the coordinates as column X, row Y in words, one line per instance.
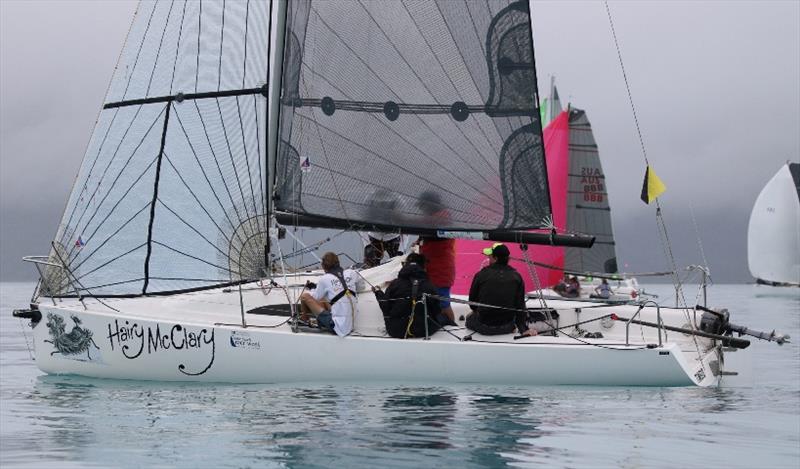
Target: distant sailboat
column 773, row 236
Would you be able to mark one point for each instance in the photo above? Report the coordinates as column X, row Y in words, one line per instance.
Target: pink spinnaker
column 469, row 253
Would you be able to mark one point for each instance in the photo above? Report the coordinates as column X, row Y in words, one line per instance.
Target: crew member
column 501, row 288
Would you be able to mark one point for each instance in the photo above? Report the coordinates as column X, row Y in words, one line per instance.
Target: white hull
column 199, row 337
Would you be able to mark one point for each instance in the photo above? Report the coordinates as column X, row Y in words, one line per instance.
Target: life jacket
column 339, row 273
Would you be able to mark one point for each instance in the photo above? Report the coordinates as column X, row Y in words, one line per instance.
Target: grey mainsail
column 411, row 114
column 588, row 209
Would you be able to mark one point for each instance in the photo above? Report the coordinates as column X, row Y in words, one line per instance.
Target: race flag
column 653, row 187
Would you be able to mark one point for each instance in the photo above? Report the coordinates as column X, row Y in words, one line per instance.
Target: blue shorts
column 445, row 292
column 325, row 321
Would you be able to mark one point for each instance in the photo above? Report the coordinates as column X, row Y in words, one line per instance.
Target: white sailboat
column 773, row 234
column 226, row 123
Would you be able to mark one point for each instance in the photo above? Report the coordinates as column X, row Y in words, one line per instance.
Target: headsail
column 412, row 114
column 171, row 193
column 773, row 234
column 588, row 209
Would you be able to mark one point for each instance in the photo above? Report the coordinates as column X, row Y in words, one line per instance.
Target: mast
column 274, row 78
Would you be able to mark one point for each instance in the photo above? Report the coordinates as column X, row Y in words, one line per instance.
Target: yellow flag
column 653, row 186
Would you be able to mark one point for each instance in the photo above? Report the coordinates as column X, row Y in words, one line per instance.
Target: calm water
column 753, row 420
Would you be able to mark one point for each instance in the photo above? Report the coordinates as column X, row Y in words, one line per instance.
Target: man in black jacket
column 500, row 286
column 403, row 295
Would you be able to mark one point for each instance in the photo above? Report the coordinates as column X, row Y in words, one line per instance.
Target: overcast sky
column 716, row 86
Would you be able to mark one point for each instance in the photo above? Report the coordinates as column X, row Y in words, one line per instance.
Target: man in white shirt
column 333, row 302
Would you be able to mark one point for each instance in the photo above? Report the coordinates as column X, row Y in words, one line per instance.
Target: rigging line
column 247, row 161
column 205, row 175
column 189, row 279
column 216, row 162
column 99, row 246
column 327, row 160
column 197, row 57
column 195, row 230
column 403, row 138
column 224, row 269
column 659, row 215
column 377, row 76
column 158, row 51
column 177, row 48
column 113, row 183
column 430, row 93
column 200, row 204
column 91, row 169
column 239, row 110
column 262, row 179
column 221, row 44
column 627, row 86
column 697, row 233
column 153, row 202
column 263, row 195
column 112, row 284
column 108, row 130
column 234, row 165
column 141, row 45
column 333, row 179
column 246, row 30
column 83, row 275
column 406, row 170
column 105, row 170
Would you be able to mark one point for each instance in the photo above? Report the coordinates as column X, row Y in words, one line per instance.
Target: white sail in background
column 773, row 236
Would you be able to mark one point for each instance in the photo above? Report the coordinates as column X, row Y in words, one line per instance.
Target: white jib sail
column 773, row 236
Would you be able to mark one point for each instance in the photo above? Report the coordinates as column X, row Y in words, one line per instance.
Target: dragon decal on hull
column 72, row 343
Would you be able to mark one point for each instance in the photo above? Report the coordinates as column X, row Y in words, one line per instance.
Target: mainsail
column 588, row 209
column 171, row 194
column 411, row 114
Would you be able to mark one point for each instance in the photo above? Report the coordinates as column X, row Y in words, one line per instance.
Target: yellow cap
column 489, row 251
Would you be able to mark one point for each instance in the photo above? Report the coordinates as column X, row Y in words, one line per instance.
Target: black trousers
column 373, row 252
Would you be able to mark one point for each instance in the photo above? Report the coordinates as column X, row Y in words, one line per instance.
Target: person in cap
column 501, row 288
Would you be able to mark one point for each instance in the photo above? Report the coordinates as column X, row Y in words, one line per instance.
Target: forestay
column 171, row 194
column 414, row 114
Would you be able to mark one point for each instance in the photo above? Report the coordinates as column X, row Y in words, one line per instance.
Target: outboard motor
column 715, row 322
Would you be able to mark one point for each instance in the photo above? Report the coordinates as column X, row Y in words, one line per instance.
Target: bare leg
column 310, row 305
column 448, row 311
